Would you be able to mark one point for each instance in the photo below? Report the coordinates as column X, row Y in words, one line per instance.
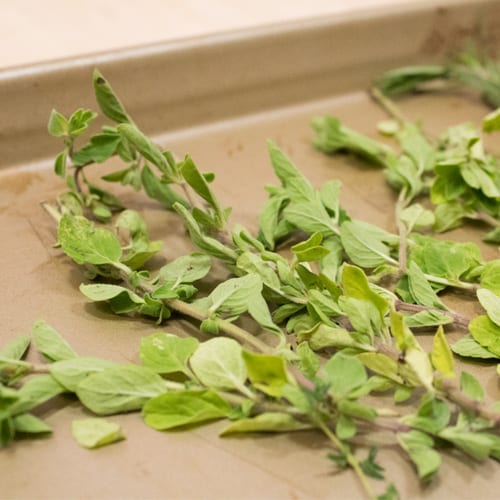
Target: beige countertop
column 34, row 31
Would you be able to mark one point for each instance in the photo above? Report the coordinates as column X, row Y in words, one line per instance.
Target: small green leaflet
column 108, row 102
column 182, row 408
column 96, row 432
column 218, row 363
column 491, row 303
column 34, row 392
column 365, row 244
column 297, row 186
column 84, row 243
column 345, row 374
column 419, row 447
column 310, row 250
column 119, row 389
column 491, row 122
column 185, row 269
column 486, row 333
column 50, row 343
column 265, row 422
column 469, row 348
column 58, row 125
column 16, row 348
column 441, row 355
column 420, row 288
column 232, row 297
column 266, row 373
column 471, row 387
column 147, row 148
column 29, row 424
column 356, row 285
column 121, row 299
column 166, row 353
column 309, row 362
column 490, row 276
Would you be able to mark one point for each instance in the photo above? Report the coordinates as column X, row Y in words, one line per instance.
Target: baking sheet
column 39, row 282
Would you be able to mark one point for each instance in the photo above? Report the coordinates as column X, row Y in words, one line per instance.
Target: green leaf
column 381, row 364
column 433, row 415
column 218, row 363
column 486, row 333
column 84, row 243
column 344, row 373
column 108, row 102
column 182, row 408
column 420, row 288
column 79, row 121
column 297, row 186
column 416, row 216
column 206, row 243
column 70, row 372
column 310, row 216
column 50, row 343
column 355, row 284
column 441, row 355
column 119, row 389
column 34, row 392
column 121, row 299
column 7, row 430
column 16, row 348
column 28, row 423
column 147, row 148
column 445, row 259
column 345, row 427
column 365, row 244
column 266, row 373
column 309, row 362
column 469, row 348
column 490, row 276
column 370, row 467
column 60, row 164
column 357, row 410
column 96, row 432
column 259, row 310
column 185, row 269
column 491, row 303
column 166, row 353
column 160, row 191
column 265, row 422
column 471, row 387
column 310, row 249
column 331, row 136
column 491, row 122
column 198, row 182
column 477, row 445
column 419, row 448
column 232, row 296
column 58, row 125
column 391, row 493
column 322, row 336
column 97, row 150
column 427, row 318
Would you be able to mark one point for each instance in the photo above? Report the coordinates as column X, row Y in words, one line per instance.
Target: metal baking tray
column 219, row 99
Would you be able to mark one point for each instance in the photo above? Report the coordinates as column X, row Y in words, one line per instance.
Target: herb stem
column 388, row 105
column 485, row 217
column 453, row 283
column 454, row 394
column 351, row 460
column 227, row 327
